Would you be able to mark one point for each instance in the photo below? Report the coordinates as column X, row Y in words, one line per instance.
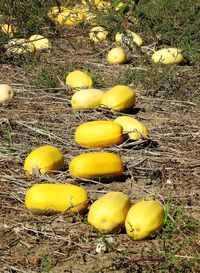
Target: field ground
column 166, row 168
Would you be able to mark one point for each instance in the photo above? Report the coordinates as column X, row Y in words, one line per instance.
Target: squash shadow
column 103, row 180
column 137, row 145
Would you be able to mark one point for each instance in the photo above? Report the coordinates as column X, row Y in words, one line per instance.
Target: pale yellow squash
column 144, row 219
column 100, row 4
column 119, row 98
column 64, row 16
column 90, row 17
column 168, row 56
column 19, row 47
column 108, row 213
column 40, row 42
column 87, row 99
column 44, row 159
column 69, row 18
column 6, row 92
column 78, row 79
column 129, row 38
column 100, row 133
column 116, row 55
column 139, row 130
column 54, row 11
column 56, row 197
column 96, row 164
column 98, row 34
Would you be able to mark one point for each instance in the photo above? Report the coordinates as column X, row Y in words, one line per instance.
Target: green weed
column 46, row 263
column 172, row 23
column 45, row 78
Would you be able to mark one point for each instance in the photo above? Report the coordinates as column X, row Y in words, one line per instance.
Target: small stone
column 101, row 248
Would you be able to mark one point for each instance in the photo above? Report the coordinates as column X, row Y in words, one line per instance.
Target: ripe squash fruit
column 54, row 11
column 119, row 98
column 168, row 56
column 116, row 55
column 40, row 42
column 78, row 79
column 69, row 18
column 144, row 219
column 19, row 47
column 98, row 34
column 6, row 92
column 129, row 38
column 44, row 159
column 96, row 164
column 99, row 134
column 87, row 99
column 9, row 29
column 64, row 16
column 132, row 124
column 56, row 197
column 108, row 213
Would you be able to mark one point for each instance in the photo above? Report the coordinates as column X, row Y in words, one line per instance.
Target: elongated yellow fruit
column 100, row 133
column 131, row 124
column 144, row 219
column 119, row 98
column 87, row 98
column 168, row 56
column 44, row 159
column 96, row 164
column 56, row 197
column 108, row 213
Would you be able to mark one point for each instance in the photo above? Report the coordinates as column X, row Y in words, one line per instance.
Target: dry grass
column 167, row 167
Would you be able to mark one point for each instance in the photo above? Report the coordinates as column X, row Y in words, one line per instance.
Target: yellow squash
column 100, row 133
column 87, row 99
column 139, row 130
column 9, row 29
column 96, row 164
column 116, row 55
column 90, row 17
column 108, row 213
column 119, row 98
column 19, row 47
column 40, row 42
column 129, row 38
column 56, row 197
column 69, row 18
column 168, row 56
column 78, row 79
column 144, row 219
column 64, row 16
column 6, row 92
column 98, row 34
column 44, row 159
column 54, row 11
